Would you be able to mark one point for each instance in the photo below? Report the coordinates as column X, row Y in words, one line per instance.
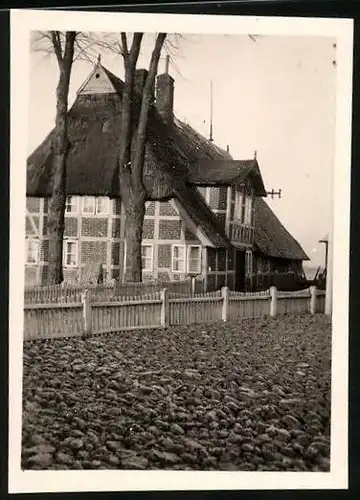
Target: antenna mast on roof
column 211, row 113
column 167, row 63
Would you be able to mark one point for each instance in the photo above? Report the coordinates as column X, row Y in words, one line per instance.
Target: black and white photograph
column 179, row 232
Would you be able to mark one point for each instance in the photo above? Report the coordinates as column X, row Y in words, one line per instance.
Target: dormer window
column 238, row 205
column 243, row 207
column 248, row 210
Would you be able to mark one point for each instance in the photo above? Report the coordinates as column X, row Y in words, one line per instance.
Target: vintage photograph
column 178, row 251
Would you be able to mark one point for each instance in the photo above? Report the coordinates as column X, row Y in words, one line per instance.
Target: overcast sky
column 275, row 96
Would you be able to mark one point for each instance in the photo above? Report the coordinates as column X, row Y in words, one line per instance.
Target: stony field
column 248, row 396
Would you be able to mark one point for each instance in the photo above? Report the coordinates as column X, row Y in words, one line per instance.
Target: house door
column 240, row 271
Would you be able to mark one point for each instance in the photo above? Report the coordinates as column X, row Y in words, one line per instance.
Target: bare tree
column 132, row 144
column 67, row 47
column 63, row 46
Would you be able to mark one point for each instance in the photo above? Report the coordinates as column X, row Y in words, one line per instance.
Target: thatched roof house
column 179, row 163
column 175, row 154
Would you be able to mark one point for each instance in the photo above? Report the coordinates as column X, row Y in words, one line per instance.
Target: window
column 178, row 258
column 102, row 205
column 88, row 205
column 238, row 205
column 147, row 257
column 248, row 262
column 248, row 210
column 32, row 251
column 243, row 204
column 70, row 205
column 241, row 207
column 194, row 259
column 99, row 205
column 70, row 253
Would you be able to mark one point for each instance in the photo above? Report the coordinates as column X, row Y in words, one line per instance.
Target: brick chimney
column 165, row 93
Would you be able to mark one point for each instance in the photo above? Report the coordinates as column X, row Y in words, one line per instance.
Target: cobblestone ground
column 248, row 396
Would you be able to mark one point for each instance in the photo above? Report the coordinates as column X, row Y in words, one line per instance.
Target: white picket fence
column 161, row 310
column 71, row 293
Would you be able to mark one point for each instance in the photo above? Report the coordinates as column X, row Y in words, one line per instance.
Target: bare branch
column 84, row 49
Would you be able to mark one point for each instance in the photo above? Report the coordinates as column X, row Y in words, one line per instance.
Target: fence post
column 273, row 302
column 225, row 304
column 313, row 299
column 85, row 299
column 193, row 285
column 164, row 318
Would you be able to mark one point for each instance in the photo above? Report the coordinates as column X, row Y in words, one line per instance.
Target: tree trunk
column 134, row 214
column 60, row 149
column 132, row 189
column 57, row 202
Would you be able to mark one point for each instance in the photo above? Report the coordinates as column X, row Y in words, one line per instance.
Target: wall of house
column 220, row 268
column 92, row 235
column 222, row 201
column 164, row 230
column 241, row 220
column 221, row 263
column 100, row 239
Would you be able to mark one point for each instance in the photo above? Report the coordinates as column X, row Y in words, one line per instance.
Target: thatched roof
column 271, row 238
column 94, row 127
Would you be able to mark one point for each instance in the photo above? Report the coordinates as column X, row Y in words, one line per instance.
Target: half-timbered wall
column 100, row 239
column 241, row 215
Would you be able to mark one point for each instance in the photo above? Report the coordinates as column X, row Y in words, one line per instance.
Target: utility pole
column 329, row 275
column 273, row 193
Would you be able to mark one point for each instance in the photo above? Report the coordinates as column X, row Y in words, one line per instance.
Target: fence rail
column 91, row 315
